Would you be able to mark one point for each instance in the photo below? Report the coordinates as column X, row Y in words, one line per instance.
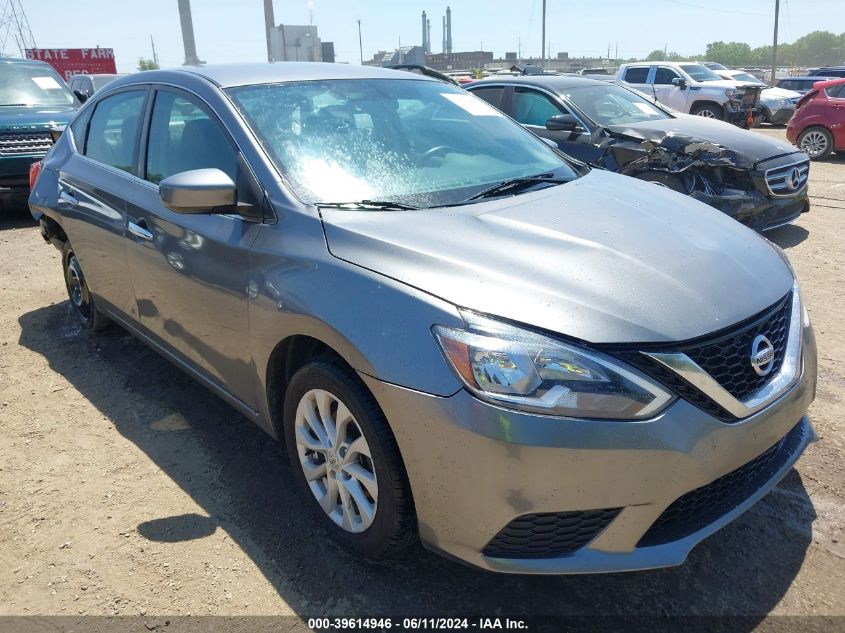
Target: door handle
column 66, row 198
column 140, row 230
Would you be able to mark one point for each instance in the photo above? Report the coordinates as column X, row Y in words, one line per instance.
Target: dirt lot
column 126, row 488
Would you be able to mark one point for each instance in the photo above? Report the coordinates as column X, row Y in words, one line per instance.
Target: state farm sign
column 76, row 61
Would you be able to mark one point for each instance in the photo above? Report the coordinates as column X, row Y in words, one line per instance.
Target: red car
column 818, row 125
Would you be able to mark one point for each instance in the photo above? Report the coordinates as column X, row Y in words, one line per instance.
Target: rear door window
column 113, row 130
column 491, row 95
column 637, row 75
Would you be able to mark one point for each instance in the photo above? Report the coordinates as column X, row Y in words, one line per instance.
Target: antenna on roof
column 15, row 25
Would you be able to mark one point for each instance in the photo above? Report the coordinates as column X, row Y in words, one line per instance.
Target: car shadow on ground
column 239, row 477
column 788, row 236
column 15, row 216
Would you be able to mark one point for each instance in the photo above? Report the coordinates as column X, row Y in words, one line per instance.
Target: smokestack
column 444, row 33
column 424, row 38
column 428, row 35
column 269, row 23
column 448, row 30
column 191, row 58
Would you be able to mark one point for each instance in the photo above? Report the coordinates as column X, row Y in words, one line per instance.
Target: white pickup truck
column 693, row 88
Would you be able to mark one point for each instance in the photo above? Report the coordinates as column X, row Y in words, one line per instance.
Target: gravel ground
column 126, row 488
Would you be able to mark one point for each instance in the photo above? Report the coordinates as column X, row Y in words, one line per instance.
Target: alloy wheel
column 336, row 460
column 707, row 114
column 77, row 288
column 814, row 143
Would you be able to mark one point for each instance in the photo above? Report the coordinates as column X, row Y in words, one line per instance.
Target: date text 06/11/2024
column 415, row 624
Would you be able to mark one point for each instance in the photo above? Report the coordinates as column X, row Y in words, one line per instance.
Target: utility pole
column 155, row 57
column 360, row 44
column 608, row 52
column 269, row 25
column 775, row 43
column 543, row 47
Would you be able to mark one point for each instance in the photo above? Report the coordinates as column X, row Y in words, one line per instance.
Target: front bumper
column 781, row 115
column 14, row 173
column 474, row 468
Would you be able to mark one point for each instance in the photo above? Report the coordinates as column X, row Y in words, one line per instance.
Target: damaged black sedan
column 755, row 179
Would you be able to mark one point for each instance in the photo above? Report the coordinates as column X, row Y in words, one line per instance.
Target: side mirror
column 197, row 191
column 82, row 96
column 56, row 132
column 563, row 123
column 680, row 82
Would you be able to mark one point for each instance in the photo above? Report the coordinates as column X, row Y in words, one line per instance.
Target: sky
column 233, row 30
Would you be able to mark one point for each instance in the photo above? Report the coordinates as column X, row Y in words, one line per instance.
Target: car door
column 836, row 101
column 190, row 272
column 640, row 78
column 93, row 183
column 532, row 108
column 668, row 93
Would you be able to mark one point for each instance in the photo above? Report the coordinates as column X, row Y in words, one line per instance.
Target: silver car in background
column 461, row 336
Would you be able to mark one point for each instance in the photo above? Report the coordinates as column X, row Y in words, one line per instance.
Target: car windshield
column 31, row 84
column 614, row 105
column 420, row 142
column 700, row 73
column 746, row 77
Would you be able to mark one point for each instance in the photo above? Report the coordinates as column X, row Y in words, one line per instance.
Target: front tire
column 709, row 111
column 816, row 142
column 346, row 460
column 79, row 293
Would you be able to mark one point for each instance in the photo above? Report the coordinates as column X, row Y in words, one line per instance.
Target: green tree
column 655, row 56
column 146, row 64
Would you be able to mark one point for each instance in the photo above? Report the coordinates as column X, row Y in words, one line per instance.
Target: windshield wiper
column 514, row 184
column 384, row 205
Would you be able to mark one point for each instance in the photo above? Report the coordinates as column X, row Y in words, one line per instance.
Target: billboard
column 76, row 61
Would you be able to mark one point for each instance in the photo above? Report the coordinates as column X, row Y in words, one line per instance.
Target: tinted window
column 533, row 108
column 77, row 129
column 113, row 132
column 636, row 75
column 424, row 143
column 493, row 96
column 665, row 75
column 183, row 137
column 836, row 91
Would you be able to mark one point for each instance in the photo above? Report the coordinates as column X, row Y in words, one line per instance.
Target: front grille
column 789, row 180
column 701, row 507
column 725, row 355
column 549, row 534
column 13, row 144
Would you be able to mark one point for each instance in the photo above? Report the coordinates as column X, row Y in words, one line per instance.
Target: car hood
column 749, row 147
column 604, row 259
column 779, row 93
column 28, row 117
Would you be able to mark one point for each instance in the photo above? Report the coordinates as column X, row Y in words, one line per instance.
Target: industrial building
column 295, row 43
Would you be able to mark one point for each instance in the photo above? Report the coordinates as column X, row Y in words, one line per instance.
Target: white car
column 693, row 88
column 777, row 105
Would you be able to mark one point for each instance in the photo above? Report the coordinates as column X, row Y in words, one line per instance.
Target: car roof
column 824, row 83
column 25, row 62
column 550, row 82
column 813, row 78
column 230, row 75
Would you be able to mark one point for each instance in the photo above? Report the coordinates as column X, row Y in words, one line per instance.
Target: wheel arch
column 702, row 102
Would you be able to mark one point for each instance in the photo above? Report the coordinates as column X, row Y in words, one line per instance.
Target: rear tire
column 80, row 295
column 816, row 142
column 356, row 486
column 709, row 111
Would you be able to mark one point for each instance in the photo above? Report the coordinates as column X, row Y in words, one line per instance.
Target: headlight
column 522, row 370
column 785, row 103
column 729, row 94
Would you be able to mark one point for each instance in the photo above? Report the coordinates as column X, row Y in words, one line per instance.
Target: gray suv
column 460, row 336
